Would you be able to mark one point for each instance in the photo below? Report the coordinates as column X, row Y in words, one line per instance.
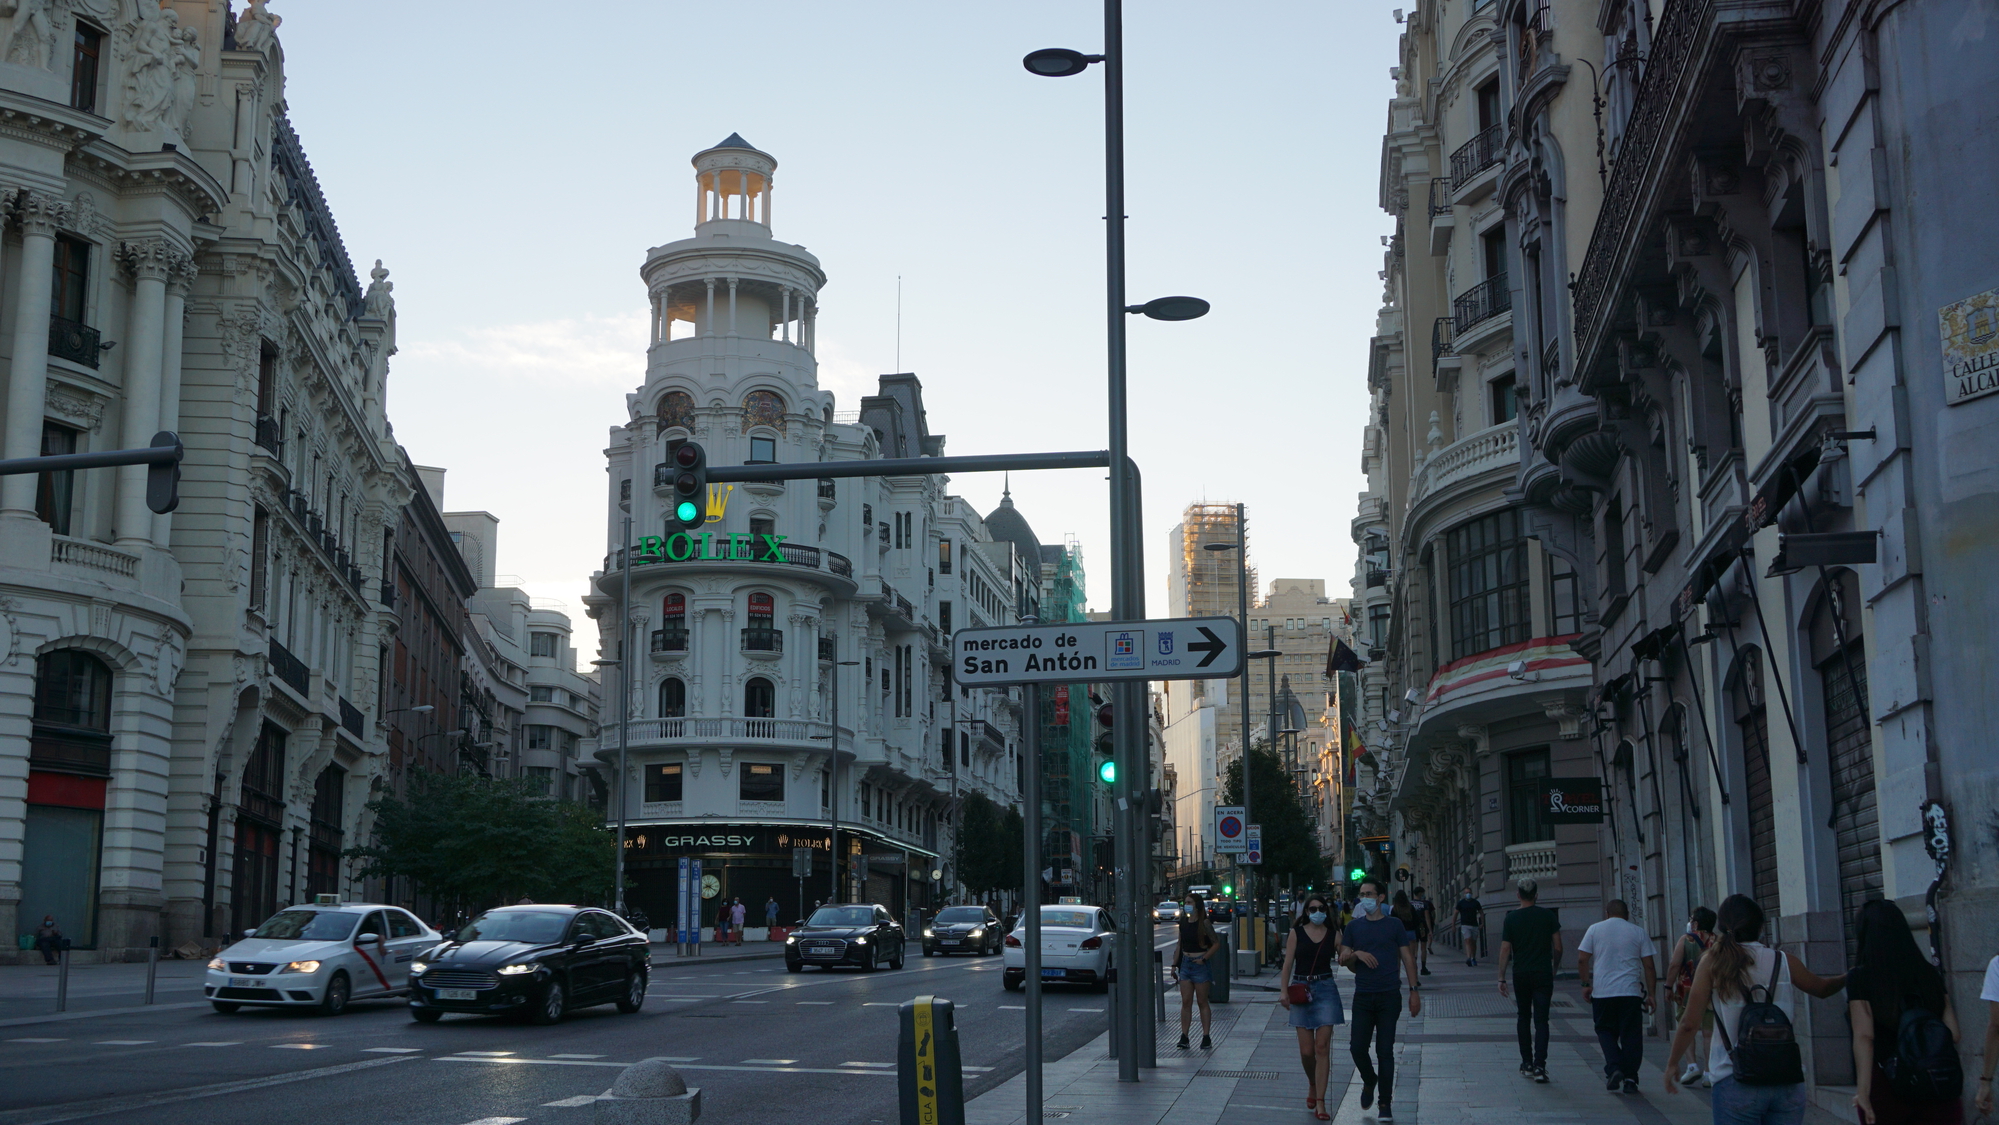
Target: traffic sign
column 1173, row 648
column 1230, row 829
column 1253, row 850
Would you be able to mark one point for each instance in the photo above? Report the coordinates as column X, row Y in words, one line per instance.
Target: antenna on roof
column 898, row 322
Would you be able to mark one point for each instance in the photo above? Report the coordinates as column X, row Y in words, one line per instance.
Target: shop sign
column 1572, row 800
column 1968, row 331
column 708, row 546
column 707, row 839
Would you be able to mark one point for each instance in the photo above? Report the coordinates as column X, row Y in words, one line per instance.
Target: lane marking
column 984, row 1069
column 122, row 1042
column 392, row 1050
column 1013, row 1007
column 1100, row 1009
column 488, row 1054
column 575, row 1056
column 622, row 1065
column 296, row 1046
column 218, row 1043
column 570, row 1103
column 766, row 1001
column 865, row 1064
column 50, row 1115
column 801, row 1003
column 37, row 1040
column 768, row 1062
column 897, row 1003
column 669, row 1058
column 497, row 1121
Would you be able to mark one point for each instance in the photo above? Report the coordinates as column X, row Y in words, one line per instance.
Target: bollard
column 649, row 1092
column 928, row 1075
column 152, row 964
column 62, row 977
column 1159, row 985
column 1218, row 992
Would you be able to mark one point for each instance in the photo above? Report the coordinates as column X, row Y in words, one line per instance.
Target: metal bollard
column 1117, row 1040
column 152, row 965
column 1218, row 992
column 62, row 977
column 1159, row 985
column 929, row 1078
column 649, row 1092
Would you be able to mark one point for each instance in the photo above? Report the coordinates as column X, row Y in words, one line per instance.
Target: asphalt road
column 759, row 1041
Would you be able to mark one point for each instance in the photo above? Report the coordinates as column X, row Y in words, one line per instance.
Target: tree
column 1290, row 847
column 989, row 846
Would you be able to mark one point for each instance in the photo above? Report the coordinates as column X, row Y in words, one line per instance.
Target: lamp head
column 1058, row 62
column 1171, row 308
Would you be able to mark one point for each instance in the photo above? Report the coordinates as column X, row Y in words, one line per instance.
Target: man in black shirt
column 1532, row 940
column 1471, row 915
column 1426, row 925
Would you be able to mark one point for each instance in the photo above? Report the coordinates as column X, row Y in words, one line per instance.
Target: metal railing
column 290, row 668
column 1482, row 302
column 799, row 555
column 1476, row 155
column 1440, row 195
column 269, row 436
column 74, row 341
column 827, row 649
column 718, row 730
column 669, row 640
column 826, row 491
column 388, row 595
column 351, row 719
column 839, row 564
column 763, row 640
column 1441, row 333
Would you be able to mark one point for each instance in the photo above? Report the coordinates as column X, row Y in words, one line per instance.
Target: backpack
column 1924, row 1067
column 1765, row 1048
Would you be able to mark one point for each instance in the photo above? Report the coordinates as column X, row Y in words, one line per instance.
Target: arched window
column 676, row 408
column 672, row 698
column 759, row 703
column 763, row 408
column 671, row 636
column 675, row 608
column 73, row 689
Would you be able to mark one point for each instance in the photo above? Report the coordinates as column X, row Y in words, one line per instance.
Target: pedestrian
column 1680, row 969
column 1308, row 990
column 1404, row 911
column 1892, row 981
column 1193, row 968
column 1378, row 948
column 1620, row 981
column 1531, row 939
column 737, row 914
column 770, row 916
column 1426, row 927
column 1471, row 916
column 721, row 921
column 1990, row 1056
column 48, row 939
column 1737, row 966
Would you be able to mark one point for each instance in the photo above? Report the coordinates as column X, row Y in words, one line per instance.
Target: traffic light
column 1108, row 771
column 690, row 487
column 1227, row 889
column 163, row 477
column 1356, row 875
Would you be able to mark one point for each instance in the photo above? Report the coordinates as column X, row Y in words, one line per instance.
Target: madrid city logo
column 1165, row 644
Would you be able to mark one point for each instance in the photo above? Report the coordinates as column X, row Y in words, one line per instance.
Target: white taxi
column 1075, row 948
column 320, row 955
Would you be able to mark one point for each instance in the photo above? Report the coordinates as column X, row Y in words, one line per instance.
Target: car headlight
column 862, row 940
column 791, row 939
column 301, row 967
column 219, row 965
column 979, row 932
column 418, row 968
column 517, row 970
column 927, row 932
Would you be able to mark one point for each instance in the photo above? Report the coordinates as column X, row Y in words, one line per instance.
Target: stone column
column 732, row 306
column 176, row 317
column 708, row 325
column 785, row 319
column 700, row 200
column 766, row 200
column 27, row 383
column 151, row 262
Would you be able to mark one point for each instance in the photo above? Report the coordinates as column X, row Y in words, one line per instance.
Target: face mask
column 1690, row 927
column 1366, row 905
column 1318, row 917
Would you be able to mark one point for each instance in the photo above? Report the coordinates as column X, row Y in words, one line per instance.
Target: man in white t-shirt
column 1616, row 964
column 1989, row 994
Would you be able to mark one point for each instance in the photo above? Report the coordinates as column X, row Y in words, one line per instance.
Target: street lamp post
column 832, row 738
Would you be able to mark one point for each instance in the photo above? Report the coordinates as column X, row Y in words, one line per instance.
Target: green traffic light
column 1108, row 771
column 1357, row 875
column 686, row 512
column 1228, row 889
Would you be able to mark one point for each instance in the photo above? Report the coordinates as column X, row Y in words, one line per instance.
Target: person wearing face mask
column 48, row 939
column 1307, row 989
column 1198, row 943
column 1686, row 961
column 1379, row 949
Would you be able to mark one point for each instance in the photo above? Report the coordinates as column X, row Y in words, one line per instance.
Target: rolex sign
column 1572, row 800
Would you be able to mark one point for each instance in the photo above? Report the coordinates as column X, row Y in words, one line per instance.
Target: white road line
column 486, row 1054
column 37, row 1040
column 121, row 1042
column 683, row 1066
column 496, row 1121
column 392, row 1050
column 898, row 1004
column 1092, row 1009
column 579, row 1057
column 766, row 1001
column 1013, row 1007
column 801, row 1003
column 669, row 1058
column 571, row 1103
column 295, row 1046
column 101, row 1106
column 222, row 1043
column 984, row 1069
column 769, row 1062
column 870, row 1064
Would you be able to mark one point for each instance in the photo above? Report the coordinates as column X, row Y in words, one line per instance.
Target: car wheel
column 635, row 994
column 225, row 1007
column 871, row 960
column 793, row 967
column 550, row 1009
column 1010, row 984
column 337, row 993
column 929, row 952
column 895, row 962
column 426, row 1015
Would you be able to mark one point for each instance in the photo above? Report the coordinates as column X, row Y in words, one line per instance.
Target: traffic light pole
column 1242, row 601
column 163, row 457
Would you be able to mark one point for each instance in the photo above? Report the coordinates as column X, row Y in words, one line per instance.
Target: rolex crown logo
column 718, row 501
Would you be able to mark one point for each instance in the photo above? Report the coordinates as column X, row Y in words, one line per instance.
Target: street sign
column 1173, row 648
column 1230, row 829
column 1253, row 849
column 681, row 901
column 801, row 863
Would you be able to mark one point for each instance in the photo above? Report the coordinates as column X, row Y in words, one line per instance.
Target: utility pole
column 624, row 704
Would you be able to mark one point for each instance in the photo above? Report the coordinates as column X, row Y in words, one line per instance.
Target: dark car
column 860, row 934
column 1221, row 912
column 540, row 961
column 963, row 929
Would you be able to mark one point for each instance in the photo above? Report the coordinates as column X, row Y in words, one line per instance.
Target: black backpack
column 1765, row 1048
column 1924, row 1067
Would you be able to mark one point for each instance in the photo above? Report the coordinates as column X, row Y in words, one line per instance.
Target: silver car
column 1075, row 948
column 320, row 956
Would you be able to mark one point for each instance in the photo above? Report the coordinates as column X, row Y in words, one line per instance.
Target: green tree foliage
column 472, row 842
column 989, row 846
column 1289, row 845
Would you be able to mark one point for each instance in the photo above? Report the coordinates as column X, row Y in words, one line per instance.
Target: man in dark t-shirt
column 1471, row 915
column 1532, row 940
column 1379, row 950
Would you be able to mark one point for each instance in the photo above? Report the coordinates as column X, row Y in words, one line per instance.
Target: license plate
column 457, row 994
column 245, row 982
column 947, row 941
column 820, row 949
column 1054, row 972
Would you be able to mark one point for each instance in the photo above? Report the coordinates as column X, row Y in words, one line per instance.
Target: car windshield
column 308, row 925
column 531, row 926
column 1079, row 919
column 962, row 914
column 1169, row 906
column 842, row 916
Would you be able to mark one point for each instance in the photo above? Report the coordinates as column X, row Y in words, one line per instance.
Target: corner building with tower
column 739, row 665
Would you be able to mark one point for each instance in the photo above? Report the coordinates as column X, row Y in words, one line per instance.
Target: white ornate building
column 733, row 755
column 186, row 700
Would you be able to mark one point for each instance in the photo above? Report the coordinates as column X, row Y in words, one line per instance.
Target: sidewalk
column 1457, row 1064
column 665, row 954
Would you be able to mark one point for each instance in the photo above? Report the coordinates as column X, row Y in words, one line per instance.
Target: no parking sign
column 1231, row 830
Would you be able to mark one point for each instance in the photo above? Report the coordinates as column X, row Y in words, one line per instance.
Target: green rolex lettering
column 737, row 541
column 707, row 538
column 771, row 553
column 649, row 545
column 680, row 546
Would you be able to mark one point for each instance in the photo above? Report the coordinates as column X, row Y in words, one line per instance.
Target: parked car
column 1075, row 948
column 1168, row 912
column 860, row 934
column 537, row 961
column 319, row 956
column 962, row 929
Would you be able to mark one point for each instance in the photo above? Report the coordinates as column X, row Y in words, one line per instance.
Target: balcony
column 826, row 490
column 828, row 650
column 290, row 669
column 350, row 718
column 1443, row 219
column 1531, row 861
column 1496, row 447
column 387, row 597
column 727, row 731
column 670, row 642
column 839, row 564
column 763, row 641
column 1475, row 156
column 1442, row 331
column 1480, row 303
column 74, row 341
column 799, row 555
column 268, row 436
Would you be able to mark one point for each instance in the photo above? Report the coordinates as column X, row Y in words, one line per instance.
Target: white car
column 1168, row 912
column 320, row 956
column 1075, row 948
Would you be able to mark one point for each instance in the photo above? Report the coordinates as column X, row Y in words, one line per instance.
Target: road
column 758, row 1041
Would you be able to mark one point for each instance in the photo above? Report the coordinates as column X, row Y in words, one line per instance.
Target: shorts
column 1195, row 972
column 1467, row 933
column 1324, row 1010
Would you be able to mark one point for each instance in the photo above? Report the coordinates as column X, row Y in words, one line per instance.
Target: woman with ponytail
column 1738, row 964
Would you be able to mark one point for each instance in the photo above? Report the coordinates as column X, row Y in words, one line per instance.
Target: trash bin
column 1218, row 992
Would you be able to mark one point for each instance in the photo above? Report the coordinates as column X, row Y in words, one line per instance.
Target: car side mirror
column 367, row 936
column 249, row 933
column 583, row 939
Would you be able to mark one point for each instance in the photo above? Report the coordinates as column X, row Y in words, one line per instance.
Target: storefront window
column 760, row 782
column 663, row 783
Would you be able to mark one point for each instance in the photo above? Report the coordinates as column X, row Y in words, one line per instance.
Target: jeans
column 1736, row 1104
column 1374, row 1016
column 1532, row 993
column 48, row 948
column 1620, row 1028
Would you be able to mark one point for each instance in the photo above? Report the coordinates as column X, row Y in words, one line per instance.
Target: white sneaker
column 1692, row 1074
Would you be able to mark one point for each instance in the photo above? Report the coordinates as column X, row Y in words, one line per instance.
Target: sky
column 511, row 168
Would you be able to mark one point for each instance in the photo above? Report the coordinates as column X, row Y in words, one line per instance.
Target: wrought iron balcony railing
column 290, row 669
column 1476, row 155
column 763, row 640
column 669, row 640
column 269, row 436
column 1482, row 302
column 74, row 341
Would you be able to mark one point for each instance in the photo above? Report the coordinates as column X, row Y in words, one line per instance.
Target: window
column 83, row 67
column 260, row 551
column 759, row 700
column 672, row 699
column 1527, row 818
column 1377, row 625
column 73, row 689
column 675, row 610
column 544, row 778
column 1753, row 728
column 544, row 644
column 663, row 783
column 1488, row 104
column 1503, row 399
column 541, row 738
column 964, row 748
column 825, row 790
column 763, row 451
column 1488, row 569
column 72, row 278
column 1613, row 550
column 1565, row 615
column 761, row 526
column 760, row 781
column 1493, row 243
column 55, row 492
column 867, row 514
column 541, row 694
column 943, row 556
column 944, row 618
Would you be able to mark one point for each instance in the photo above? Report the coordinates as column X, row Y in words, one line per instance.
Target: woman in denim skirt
column 1310, row 954
column 1198, row 943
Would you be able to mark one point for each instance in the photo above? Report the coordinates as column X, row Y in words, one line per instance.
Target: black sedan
column 963, row 929
column 538, row 961
column 854, row 934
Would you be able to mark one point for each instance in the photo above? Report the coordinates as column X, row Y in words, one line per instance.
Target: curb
column 662, row 961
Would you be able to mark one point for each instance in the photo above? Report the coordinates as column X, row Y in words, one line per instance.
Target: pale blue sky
column 511, row 163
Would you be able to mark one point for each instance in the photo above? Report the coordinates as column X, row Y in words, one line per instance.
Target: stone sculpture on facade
column 149, row 77
column 379, row 302
column 186, row 60
column 31, row 32
column 256, row 28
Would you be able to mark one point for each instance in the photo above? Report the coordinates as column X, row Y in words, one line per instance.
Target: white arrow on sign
column 1172, row 648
